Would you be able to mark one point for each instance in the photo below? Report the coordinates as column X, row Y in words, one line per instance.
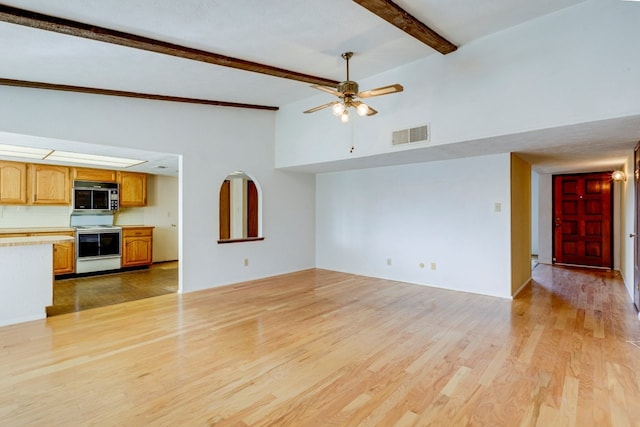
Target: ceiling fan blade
column 371, row 112
column 385, row 90
column 320, row 107
column 328, row 90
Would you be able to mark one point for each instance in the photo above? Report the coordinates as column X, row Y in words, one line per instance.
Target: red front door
column 582, row 206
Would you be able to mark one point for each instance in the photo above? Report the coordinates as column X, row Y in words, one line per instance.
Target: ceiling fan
column 348, row 93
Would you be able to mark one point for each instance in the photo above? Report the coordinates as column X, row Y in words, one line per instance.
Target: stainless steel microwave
column 95, row 197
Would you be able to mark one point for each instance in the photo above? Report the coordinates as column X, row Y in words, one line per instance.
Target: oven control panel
column 113, row 200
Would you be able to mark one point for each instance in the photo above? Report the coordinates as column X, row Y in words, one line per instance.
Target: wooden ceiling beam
column 109, row 92
column 394, row 14
column 78, row 29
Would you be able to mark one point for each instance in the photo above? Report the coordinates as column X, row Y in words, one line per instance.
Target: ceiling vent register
column 407, row 136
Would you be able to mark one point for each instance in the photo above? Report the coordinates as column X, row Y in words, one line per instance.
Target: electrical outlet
column 497, row 207
column 246, row 262
column 433, row 266
column 388, row 261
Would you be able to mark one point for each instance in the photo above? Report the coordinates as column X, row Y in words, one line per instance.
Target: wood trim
column 122, row 93
column 394, row 14
column 246, row 239
column 520, row 208
column 225, row 217
column 41, row 21
column 252, row 209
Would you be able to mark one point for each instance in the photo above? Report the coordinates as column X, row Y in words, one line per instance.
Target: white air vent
column 405, row 136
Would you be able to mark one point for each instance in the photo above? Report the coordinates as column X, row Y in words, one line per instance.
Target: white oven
column 98, row 248
column 98, row 242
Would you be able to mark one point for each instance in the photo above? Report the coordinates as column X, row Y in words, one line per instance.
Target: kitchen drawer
column 137, row 232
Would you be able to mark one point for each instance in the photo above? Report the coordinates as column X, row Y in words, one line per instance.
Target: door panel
column 636, row 275
column 583, row 226
column 252, row 209
column 224, row 214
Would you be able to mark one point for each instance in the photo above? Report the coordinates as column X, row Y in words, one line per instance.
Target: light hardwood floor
column 320, row 348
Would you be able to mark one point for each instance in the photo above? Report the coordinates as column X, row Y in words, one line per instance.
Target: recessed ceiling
column 304, row 36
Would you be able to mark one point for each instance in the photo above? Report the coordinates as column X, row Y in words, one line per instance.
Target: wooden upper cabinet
column 13, row 183
column 99, row 175
column 49, row 185
column 133, row 189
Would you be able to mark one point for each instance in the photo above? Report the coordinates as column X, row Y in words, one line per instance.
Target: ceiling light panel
column 92, row 159
column 24, row 152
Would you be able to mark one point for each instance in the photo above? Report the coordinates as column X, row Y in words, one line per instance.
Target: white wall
column 437, row 212
column 213, row 142
column 26, row 282
column 545, row 219
column 20, row 216
column 577, row 65
column 161, row 212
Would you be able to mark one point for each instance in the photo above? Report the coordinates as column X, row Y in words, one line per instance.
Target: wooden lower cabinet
column 137, row 246
column 64, row 259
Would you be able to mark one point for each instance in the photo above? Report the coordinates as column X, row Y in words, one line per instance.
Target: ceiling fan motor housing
column 348, row 87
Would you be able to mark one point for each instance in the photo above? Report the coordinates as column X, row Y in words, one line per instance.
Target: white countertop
column 35, row 230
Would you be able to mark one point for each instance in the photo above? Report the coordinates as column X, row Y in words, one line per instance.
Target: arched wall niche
column 240, row 215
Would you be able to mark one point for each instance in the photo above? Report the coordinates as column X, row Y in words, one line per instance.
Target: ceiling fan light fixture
column 349, row 93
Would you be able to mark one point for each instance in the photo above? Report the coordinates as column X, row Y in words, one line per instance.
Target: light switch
column 498, row 207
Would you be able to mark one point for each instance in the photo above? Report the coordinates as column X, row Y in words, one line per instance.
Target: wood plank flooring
column 320, row 348
column 82, row 293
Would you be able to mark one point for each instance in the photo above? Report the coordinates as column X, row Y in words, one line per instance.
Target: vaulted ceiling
column 200, row 50
column 299, row 37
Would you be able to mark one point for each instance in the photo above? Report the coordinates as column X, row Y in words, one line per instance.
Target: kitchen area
column 111, row 227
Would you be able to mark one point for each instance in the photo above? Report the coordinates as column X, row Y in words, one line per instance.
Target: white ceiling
column 301, row 35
